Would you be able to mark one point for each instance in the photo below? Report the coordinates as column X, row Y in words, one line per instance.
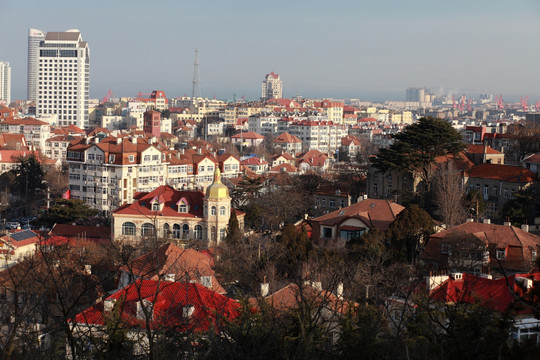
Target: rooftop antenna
column 196, row 80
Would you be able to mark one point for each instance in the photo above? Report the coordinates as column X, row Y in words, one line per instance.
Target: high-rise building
column 5, row 82
column 63, row 78
column 271, row 87
column 35, row 37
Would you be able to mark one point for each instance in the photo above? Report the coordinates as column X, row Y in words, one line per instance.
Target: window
column 131, row 158
column 147, row 229
column 197, row 232
column 155, row 206
column 533, row 254
column 332, row 203
column 221, row 234
column 185, row 231
column 501, row 254
column 128, row 228
column 166, row 230
column 111, row 158
column 327, row 232
column 201, row 168
column 182, row 208
column 222, row 210
column 213, row 211
column 176, row 231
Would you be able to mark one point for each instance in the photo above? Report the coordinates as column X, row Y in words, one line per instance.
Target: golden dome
column 217, row 190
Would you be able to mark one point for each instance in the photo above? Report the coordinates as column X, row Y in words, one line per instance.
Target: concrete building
column 36, row 132
column 271, row 87
column 63, row 78
column 35, row 37
column 5, row 82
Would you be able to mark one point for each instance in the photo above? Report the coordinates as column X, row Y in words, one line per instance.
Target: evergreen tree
column 234, row 234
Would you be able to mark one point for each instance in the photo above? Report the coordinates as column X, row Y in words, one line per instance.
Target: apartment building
column 263, row 124
column 324, row 136
column 5, row 82
column 272, row 87
column 56, row 147
column 36, row 132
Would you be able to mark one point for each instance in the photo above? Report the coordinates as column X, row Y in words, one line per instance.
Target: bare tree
column 449, row 195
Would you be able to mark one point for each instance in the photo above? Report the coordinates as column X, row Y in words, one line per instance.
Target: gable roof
column 506, row 173
column 168, row 300
column 248, row 135
column 186, row 264
column 375, row 213
column 286, row 138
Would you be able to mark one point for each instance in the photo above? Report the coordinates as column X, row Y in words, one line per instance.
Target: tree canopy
column 66, row 211
column 416, row 148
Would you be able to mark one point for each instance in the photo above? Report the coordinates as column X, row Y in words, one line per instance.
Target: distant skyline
column 341, row 49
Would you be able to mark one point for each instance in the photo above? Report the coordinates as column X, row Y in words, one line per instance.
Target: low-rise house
column 497, row 184
column 289, row 143
column 258, row 166
column 484, row 154
column 351, row 145
column 248, row 138
column 482, row 247
column 9, row 159
column 343, row 225
column 283, row 158
column 531, row 162
column 16, row 245
column 329, row 199
column 172, row 263
column 13, row 142
column 157, row 306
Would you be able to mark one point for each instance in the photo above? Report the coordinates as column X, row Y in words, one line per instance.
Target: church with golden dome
column 185, row 217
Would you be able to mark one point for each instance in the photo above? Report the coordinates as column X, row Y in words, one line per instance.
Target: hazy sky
column 356, row 49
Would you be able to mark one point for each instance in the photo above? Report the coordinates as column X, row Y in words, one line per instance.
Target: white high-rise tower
column 35, row 37
column 5, row 82
column 271, row 87
column 63, row 78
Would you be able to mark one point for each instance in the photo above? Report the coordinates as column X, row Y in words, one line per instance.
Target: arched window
column 222, row 210
column 185, row 231
column 128, row 228
column 148, row 229
column 166, row 230
column 197, row 232
column 213, row 234
column 221, row 234
column 176, row 231
column 213, row 212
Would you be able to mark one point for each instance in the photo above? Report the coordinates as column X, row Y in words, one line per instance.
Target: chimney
column 188, row 310
column 507, row 223
column 118, row 141
column 525, row 227
column 108, row 305
column 206, row 281
column 487, row 221
column 265, row 289
column 339, row 291
column 469, row 220
column 169, row 277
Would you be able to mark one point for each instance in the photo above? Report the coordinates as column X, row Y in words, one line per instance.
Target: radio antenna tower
column 196, row 80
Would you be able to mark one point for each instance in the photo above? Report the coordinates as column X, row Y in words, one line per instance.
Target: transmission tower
column 196, row 80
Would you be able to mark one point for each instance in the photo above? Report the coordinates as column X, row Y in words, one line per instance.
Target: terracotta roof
column 248, row 135
column 187, row 265
column 375, row 213
column 169, row 300
column 12, row 156
column 498, row 294
column 79, row 231
column 254, row 161
column 284, row 155
column 506, row 173
column 479, row 149
column 286, row 167
column 533, row 159
column 170, row 198
column 349, row 139
column 24, row 121
column 286, row 138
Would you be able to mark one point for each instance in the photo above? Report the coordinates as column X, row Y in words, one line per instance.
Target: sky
column 370, row 50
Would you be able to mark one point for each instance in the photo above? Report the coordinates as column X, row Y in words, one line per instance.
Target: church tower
column 217, row 210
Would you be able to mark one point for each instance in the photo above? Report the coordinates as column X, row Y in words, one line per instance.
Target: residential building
column 258, row 166
column 35, row 37
column 290, row 144
column 63, row 78
column 350, row 145
column 152, row 122
column 263, row 124
column 328, row 199
column 56, row 146
column 324, row 136
column 17, row 245
column 342, row 225
column 271, row 87
column 5, row 82
column 171, row 262
column 36, row 132
column 484, row 154
column 157, row 101
column 248, row 138
column 13, row 142
column 163, row 306
column 497, row 184
column 185, row 217
column 9, row 159
column 482, row 247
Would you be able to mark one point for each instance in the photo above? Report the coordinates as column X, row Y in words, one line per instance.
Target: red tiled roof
column 286, row 167
column 248, row 135
column 254, row 161
column 506, row 173
column 168, row 300
column 188, row 265
column 79, row 231
column 479, row 149
column 286, row 138
column 374, row 213
column 170, row 198
column 23, row 121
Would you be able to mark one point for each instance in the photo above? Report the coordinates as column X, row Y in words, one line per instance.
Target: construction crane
column 524, row 103
column 107, row 97
column 469, row 104
column 462, row 103
column 454, row 105
column 537, row 105
column 500, row 103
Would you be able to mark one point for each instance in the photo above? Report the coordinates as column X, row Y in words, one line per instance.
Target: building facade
column 271, row 87
column 35, row 37
column 5, row 82
column 63, row 78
